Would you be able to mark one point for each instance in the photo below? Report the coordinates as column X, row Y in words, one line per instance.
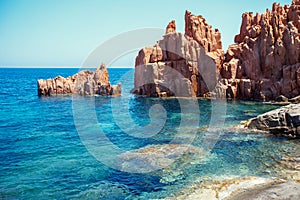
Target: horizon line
column 60, row 67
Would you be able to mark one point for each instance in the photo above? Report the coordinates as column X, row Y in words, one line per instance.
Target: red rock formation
column 265, row 61
column 180, row 65
column 197, row 28
column 263, row 64
column 171, row 28
column 84, row 83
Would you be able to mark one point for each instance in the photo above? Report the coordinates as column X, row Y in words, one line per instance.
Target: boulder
column 83, row 83
column 284, row 121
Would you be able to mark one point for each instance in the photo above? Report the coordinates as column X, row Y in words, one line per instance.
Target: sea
column 128, row 147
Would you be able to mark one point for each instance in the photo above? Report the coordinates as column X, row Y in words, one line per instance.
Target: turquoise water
column 42, row 155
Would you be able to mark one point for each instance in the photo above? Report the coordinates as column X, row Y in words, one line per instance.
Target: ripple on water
column 42, row 156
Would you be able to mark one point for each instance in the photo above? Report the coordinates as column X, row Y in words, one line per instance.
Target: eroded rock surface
column 180, row 64
column 264, row 62
column 83, row 83
column 282, row 121
column 241, row 188
column 274, row 191
column 223, row 189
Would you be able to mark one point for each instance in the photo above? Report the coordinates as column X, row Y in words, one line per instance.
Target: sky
column 62, row 33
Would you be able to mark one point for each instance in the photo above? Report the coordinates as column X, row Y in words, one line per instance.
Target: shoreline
column 285, row 185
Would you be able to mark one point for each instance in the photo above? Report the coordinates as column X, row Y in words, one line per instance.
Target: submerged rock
column 283, row 121
column 289, row 167
column 83, row 83
column 155, row 157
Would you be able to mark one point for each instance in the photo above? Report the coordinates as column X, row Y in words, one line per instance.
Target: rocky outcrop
column 83, row 83
column 263, row 64
column 180, row 64
column 238, row 188
column 275, row 191
column 283, row 121
column 265, row 60
column 197, row 28
column 171, row 28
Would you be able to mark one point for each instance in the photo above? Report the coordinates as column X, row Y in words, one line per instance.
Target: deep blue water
column 43, row 156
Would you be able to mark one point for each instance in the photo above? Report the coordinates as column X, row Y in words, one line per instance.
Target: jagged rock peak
column 180, row 64
column 296, row 2
column 277, row 18
column 197, row 28
column 264, row 62
column 171, row 28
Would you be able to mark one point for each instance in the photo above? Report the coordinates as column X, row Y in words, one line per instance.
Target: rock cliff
column 83, row 83
column 180, row 64
column 263, row 64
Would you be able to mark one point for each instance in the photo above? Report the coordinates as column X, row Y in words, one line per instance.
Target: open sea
column 67, row 147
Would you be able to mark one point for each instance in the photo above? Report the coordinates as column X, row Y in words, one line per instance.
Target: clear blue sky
column 64, row 32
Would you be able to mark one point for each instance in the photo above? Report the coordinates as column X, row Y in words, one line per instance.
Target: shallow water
column 42, row 156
